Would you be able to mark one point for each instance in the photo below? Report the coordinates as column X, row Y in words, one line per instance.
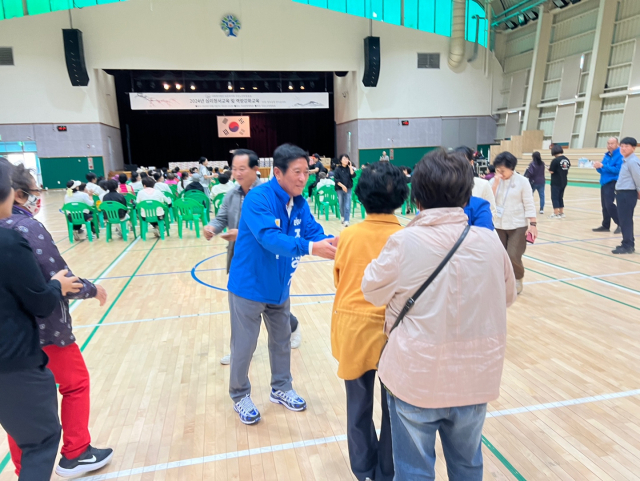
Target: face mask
column 33, row 204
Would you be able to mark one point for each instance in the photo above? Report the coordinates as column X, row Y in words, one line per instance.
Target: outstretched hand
column 324, row 249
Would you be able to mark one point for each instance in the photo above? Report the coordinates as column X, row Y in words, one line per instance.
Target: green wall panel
column 57, row 171
column 61, row 5
column 12, row 8
column 36, row 7
column 404, row 156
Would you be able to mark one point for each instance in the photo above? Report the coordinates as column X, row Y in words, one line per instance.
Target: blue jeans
column 413, row 434
column 540, row 189
column 345, row 204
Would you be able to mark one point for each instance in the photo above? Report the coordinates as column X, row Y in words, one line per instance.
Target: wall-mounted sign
column 405, row 123
column 62, row 128
column 90, row 161
column 230, row 25
column 229, row 101
column 233, row 127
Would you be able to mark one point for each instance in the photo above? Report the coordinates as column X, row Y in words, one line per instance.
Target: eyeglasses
column 32, row 191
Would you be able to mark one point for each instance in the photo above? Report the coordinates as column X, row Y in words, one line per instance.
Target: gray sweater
column 229, row 215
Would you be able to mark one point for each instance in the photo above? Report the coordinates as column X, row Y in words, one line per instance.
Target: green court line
column 99, row 323
column 75, row 244
column 618, row 257
column 503, row 460
column 7, row 458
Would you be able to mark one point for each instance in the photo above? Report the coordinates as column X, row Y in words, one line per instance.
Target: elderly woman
column 356, row 325
column 515, row 216
column 443, row 361
column 56, row 338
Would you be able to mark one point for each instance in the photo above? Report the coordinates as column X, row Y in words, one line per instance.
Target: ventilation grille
column 6, row 56
column 428, row 60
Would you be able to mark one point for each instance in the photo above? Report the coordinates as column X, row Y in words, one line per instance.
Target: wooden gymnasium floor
column 570, row 404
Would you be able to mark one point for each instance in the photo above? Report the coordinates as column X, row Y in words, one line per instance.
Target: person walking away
column 28, row 401
column 559, row 169
column 357, row 335
column 609, row 170
column 276, row 229
column 344, row 174
column 627, row 194
column 481, row 187
column 57, row 339
column 443, row 362
column 205, row 175
column 245, row 164
column 535, row 174
column 515, row 212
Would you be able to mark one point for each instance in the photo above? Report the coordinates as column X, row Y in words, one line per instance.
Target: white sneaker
column 554, row 216
column 118, row 230
column 296, row 338
column 82, row 235
column 346, row 224
column 562, row 216
column 156, row 231
column 225, row 360
column 541, row 211
column 76, row 235
column 519, row 286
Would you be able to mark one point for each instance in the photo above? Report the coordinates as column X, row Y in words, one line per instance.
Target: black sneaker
column 618, row 230
column 623, row 250
column 91, row 460
column 600, row 229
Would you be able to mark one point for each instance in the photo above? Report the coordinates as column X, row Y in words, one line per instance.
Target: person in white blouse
column 92, row 185
column 515, row 217
column 76, row 193
column 150, row 193
column 161, row 186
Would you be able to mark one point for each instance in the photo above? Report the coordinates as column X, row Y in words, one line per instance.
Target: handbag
column 412, row 300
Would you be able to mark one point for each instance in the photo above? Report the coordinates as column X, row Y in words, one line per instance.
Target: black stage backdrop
column 159, row 137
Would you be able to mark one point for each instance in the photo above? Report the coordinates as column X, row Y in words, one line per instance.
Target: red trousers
column 70, row 372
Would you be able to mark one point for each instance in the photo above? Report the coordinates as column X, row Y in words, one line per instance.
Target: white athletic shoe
column 296, row 338
column 156, row 231
column 76, row 235
column 519, row 286
column 554, row 216
column 562, row 216
column 225, row 360
column 346, row 224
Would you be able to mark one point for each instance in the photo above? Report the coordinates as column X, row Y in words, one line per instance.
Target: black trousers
column 312, row 186
column 369, row 457
column 29, row 414
column 627, row 200
column 609, row 209
column 557, row 196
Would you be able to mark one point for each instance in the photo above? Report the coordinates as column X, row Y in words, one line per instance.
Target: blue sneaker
column 247, row 411
column 289, row 399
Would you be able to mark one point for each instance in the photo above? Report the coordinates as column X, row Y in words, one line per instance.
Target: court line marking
column 185, row 316
column 342, row 437
column 551, row 281
column 74, row 305
column 612, row 284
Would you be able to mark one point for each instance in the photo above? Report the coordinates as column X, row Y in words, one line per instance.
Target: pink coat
column 449, row 350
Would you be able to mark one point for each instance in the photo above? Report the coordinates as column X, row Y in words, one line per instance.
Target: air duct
column 457, row 46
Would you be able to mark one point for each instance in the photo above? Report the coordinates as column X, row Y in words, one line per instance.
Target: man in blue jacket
column 609, row 170
column 276, row 229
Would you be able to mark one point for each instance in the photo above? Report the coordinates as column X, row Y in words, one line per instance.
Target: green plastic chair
column 112, row 212
column 174, row 189
column 201, row 198
column 190, row 213
column 147, row 212
column 197, row 208
column 217, row 202
column 172, row 210
column 355, row 202
column 96, row 203
column 76, row 211
column 327, row 201
column 131, row 203
column 305, row 192
column 408, row 205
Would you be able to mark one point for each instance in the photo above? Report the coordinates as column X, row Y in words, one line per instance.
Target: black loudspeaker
column 74, row 55
column 371, row 61
column 341, row 74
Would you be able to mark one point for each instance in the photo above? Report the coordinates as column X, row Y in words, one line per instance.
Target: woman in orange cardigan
column 357, row 335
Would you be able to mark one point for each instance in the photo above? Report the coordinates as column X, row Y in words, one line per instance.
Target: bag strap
column 412, row 300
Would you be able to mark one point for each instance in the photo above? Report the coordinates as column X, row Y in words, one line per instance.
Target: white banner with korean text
column 229, row 101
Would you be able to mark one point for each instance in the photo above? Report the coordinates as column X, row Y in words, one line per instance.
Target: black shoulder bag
column 412, row 300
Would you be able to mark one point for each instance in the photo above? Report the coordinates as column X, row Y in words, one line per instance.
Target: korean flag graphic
column 234, row 127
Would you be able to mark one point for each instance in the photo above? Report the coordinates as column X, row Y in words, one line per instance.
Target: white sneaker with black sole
column 296, row 338
column 91, row 460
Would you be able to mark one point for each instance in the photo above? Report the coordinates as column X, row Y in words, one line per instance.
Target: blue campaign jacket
column 479, row 213
column 611, row 165
column 270, row 244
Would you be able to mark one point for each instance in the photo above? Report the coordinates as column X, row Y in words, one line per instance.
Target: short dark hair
column 629, row 141
column 157, row 176
column 90, row 176
column 491, row 168
column 316, row 156
column 343, row 155
column 143, row 175
column 134, row 176
column 122, row 178
column 287, row 153
column 254, row 161
column 82, row 187
column 5, row 179
column 103, row 184
column 468, row 153
column 505, row 159
column 223, row 178
column 202, row 160
column 440, row 180
column 21, row 178
column 171, row 176
column 193, row 170
column 112, row 185
column 382, row 188
column 148, row 182
column 557, row 149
